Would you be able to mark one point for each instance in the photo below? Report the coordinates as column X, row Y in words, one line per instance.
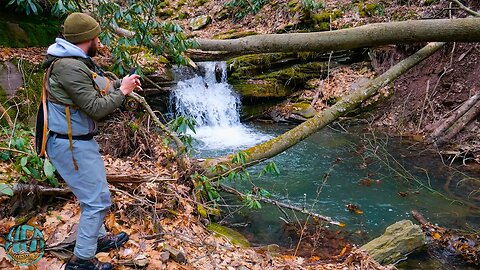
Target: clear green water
column 303, row 166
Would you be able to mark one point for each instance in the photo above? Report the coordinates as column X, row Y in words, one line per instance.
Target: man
column 75, row 101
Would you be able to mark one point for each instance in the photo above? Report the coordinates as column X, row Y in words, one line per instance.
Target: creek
column 385, row 177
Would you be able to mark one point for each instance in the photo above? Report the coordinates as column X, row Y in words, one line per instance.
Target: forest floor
column 161, row 211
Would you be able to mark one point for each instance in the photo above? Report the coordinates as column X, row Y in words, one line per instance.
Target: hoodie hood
column 63, row 48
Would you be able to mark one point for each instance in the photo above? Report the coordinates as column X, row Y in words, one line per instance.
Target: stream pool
column 385, row 177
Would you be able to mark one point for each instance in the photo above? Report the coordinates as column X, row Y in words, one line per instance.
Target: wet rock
column 261, row 89
column 10, row 79
column 303, row 111
column 200, row 22
column 235, row 237
column 399, row 240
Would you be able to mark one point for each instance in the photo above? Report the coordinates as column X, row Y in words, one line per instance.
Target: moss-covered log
column 441, row 30
column 290, row 138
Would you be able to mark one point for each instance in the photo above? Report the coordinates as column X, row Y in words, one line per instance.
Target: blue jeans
column 89, row 184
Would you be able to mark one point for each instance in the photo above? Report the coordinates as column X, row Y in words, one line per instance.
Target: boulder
column 399, row 240
column 10, row 79
column 302, row 111
column 199, row 22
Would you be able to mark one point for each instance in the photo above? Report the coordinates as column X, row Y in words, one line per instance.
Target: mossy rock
column 369, row 10
column 234, row 34
column 297, row 75
column 223, row 14
column 34, row 31
column 326, row 16
column 165, row 13
column 261, row 89
column 235, row 237
column 199, row 22
column 303, row 109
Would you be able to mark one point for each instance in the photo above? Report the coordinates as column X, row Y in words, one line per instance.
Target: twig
column 154, row 84
column 14, row 150
column 284, row 205
column 423, row 106
column 466, row 9
column 7, row 117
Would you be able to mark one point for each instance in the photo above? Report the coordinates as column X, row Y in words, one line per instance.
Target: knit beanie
column 80, row 27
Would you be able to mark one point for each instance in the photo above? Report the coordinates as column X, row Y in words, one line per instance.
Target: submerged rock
column 399, row 240
column 235, row 237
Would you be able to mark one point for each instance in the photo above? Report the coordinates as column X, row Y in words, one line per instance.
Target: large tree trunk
column 283, row 142
column 444, row 30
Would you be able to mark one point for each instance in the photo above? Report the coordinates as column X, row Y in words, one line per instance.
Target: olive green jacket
column 71, row 83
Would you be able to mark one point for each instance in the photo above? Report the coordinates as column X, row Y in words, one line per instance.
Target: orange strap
column 45, row 113
column 104, row 92
column 69, row 122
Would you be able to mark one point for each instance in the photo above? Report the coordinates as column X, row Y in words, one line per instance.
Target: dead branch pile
column 128, row 134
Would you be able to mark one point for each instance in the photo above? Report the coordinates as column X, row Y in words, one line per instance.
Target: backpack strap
column 44, row 129
column 69, row 133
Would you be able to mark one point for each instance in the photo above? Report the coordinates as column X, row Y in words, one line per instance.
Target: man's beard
column 92, row 50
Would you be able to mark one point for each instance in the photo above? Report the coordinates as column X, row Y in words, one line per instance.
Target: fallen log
column 283, row 205
column 444, row 124
column 441, row 30
column 460, row 124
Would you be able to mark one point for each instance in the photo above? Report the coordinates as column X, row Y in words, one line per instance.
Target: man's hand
column 129, row 83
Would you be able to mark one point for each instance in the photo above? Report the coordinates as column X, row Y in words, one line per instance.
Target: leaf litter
column 159, row 214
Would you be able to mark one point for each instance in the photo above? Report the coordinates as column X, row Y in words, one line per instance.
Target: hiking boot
column 91, row 264
column 110, row 242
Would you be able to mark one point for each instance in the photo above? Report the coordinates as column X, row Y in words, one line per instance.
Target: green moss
column 28, row 33
column 163, row 4
column 235, row 237
column 324, row 16
column 165, row 14
column 297, row 75
column 183, row 15
column 180, row 4
column 270, row 88
column 245, row 66
column 429, row 2
column 324, row 26
column 369, row 10
column 199, row 3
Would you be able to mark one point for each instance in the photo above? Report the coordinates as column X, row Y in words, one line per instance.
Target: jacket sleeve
column 75, row 78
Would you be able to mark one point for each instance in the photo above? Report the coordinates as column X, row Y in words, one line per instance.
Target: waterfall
column 211, row 101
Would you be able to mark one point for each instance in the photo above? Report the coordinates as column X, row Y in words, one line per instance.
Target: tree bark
column 290, row 138
column 442, row 30
column 460, row 124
